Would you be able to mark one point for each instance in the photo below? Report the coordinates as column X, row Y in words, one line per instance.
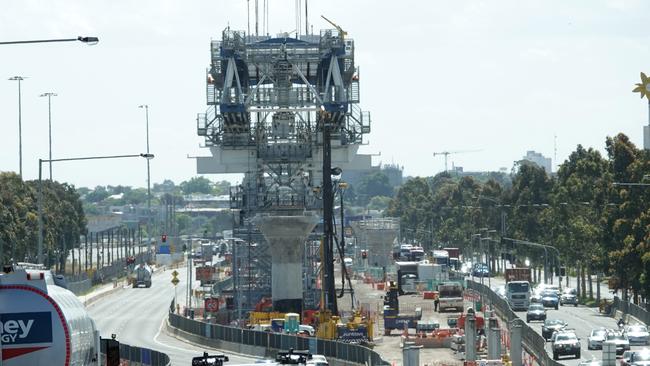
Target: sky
column 502, row 77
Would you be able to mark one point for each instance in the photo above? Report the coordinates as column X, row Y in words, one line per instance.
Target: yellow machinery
column 327, row 325
column 262, row 317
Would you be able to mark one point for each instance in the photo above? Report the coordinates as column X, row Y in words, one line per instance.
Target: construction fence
column 350, row 353
column 533, row 343
column 138, row 356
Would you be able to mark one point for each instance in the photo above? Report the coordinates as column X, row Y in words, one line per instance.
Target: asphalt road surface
column 136, row 316
column 581, row 318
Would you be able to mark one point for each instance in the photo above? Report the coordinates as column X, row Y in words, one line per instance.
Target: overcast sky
column 500, row 76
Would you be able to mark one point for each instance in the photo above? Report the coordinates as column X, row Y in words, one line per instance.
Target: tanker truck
column 142, row 276
column 42, row 323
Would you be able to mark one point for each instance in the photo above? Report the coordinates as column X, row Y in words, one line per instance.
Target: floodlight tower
column 271, row 100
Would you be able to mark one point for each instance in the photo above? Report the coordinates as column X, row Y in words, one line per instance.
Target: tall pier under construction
column 277, row 107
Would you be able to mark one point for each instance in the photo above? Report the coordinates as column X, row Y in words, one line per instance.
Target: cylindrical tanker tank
column 42, row 323
column 143, row 276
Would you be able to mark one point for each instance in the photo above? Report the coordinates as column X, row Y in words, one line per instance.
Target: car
column 318, row 360
column 625, row 359
column 569, row 296
column 535, row 312
column 552, row 325
column 622, row 344
column 566, row 343
column 637, row 334
column 596, row 338
column 481, row 270
column 640, row 358
column 550, row 299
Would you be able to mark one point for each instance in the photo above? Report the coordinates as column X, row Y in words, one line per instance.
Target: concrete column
column 494, row 339
column 380, row 246
column 286, row 236
column 516, row 331
column 470, row 337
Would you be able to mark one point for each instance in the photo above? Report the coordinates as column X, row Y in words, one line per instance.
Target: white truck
column 42, row 323
column 450, row 296
column 142, row 276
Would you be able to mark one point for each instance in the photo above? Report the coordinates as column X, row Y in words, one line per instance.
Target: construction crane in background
column 338, row 28
column 447, row 153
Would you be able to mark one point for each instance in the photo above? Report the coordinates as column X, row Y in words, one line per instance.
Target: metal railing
column 277, row 341
column 532, row 341
column 631, row 309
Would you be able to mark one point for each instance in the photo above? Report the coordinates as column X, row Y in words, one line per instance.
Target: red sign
column 212, row 305
column 204, row 273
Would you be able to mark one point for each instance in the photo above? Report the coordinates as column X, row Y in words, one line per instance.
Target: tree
column 379, row 203
column 373, row 185
column 196, row 185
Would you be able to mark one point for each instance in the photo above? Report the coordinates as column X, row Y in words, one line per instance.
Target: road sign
column 212, row 305
column 174, row 274
column 175, row 281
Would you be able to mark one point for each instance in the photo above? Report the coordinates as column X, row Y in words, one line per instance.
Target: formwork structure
column 377, row 236
column 268, row 99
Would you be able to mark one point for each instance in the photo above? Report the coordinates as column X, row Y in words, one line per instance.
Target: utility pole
column 49, row 96
column 20, row 124
column 146, row 109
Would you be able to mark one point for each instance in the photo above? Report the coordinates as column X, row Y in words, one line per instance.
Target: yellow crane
column 338, row 28
column 447, row 153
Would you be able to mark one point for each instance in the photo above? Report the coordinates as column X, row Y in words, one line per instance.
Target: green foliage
column 379, row 203
column 196, row 185
column 596, row 225
column 373, row 185
column 63, row 218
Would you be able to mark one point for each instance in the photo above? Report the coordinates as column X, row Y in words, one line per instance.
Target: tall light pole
column 146, row 111
column 40, row 188
column 49, row 96
column 91, row 41
column 20, row 124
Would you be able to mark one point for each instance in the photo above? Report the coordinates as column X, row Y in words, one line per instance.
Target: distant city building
column 540, row 160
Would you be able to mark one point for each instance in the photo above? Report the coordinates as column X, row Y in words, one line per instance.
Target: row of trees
column 597, row 221
column 63, row 219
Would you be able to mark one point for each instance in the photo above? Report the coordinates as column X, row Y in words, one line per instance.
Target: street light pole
column 91, row 41
column 20, row 124
column 49, row 96
column 40, row 188
column 146, row 109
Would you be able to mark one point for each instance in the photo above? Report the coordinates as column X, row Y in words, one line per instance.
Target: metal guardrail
column 277, row 341
column 140, row 356
column 631, row 309
column 532, row 341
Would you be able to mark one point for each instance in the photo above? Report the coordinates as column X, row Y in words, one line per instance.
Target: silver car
column 596, row 338
column 569, row 296
column 637, row 334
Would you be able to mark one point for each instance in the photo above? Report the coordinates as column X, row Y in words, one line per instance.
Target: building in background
column 539, row 159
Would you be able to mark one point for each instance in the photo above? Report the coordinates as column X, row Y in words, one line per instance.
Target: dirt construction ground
column 389, row 347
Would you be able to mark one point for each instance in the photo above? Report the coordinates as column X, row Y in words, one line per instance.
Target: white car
column 637, row 334
column 318, row 360
column 596, row 338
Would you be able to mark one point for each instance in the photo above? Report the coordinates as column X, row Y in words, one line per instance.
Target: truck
column 454, row 258
column 142, row 276
column 42, row 323
column 393, row 319
column 518, row 288
column 450, row 296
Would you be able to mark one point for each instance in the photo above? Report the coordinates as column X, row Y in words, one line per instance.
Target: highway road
column 136, row 316
column 581, row 318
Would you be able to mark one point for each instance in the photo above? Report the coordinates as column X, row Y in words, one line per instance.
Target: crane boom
column 338, row 28
column 447, row 153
